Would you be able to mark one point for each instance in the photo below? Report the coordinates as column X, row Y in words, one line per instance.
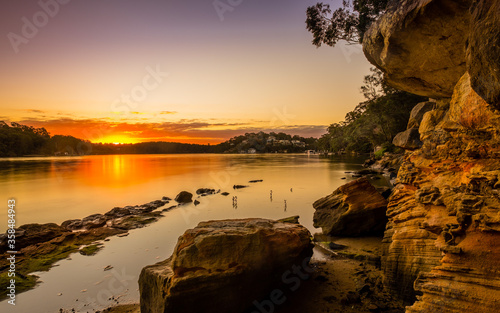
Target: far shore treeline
column 18, row 140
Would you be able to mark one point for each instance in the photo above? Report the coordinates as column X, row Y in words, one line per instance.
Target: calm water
column 57, row 189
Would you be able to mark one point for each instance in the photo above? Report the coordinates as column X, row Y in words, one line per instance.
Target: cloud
column 184, row 130
column 168, row 112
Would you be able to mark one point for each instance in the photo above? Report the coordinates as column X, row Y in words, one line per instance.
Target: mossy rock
column 90, row 250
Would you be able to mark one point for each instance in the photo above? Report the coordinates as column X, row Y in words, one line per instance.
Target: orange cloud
column 185, row 131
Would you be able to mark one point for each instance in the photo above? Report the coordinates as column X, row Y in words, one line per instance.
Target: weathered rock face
column 417, row 113
column 483, row 50
column 354, row 209
column 409, row 139
column 223, row 266
column 421, row 45
column 443, row 234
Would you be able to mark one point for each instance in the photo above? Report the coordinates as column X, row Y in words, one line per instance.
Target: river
column 61, row 188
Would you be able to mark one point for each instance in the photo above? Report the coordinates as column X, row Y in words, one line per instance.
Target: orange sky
column 129, row 71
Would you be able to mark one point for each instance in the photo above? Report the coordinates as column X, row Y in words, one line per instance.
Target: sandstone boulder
column 184, row 197
column 417, row 113
column 408, row 140
column 224, row 266
column 420, row 45
column 354, row 209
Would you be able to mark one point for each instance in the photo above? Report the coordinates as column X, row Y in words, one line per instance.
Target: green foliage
column 263, row 142
column 373, row 122
column 348, row 22
column 18, row 140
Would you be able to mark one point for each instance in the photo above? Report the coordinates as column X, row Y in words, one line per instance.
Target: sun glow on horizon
column 116, row 140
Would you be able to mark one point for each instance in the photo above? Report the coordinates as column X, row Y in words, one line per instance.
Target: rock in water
column 354, row 209
column 30, row 234
column 184, row 197
column 205, row 191
column 224, row 266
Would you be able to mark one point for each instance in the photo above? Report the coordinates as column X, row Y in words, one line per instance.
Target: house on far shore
column 271, row 139
column 298, row 143
column 252, row 151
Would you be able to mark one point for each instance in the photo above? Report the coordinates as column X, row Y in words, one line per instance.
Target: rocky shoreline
column 41, row 245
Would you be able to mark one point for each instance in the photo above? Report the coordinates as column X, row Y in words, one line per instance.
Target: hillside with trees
column 20, row 140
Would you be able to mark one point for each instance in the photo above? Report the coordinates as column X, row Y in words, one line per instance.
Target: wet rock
column 225, row 193
column 223, row 258
column 31, row 234
column 166, row 199
column 169, row 208
column 256, row 181
column 196, row 202
column 118, row 212
column 354, row 209
column 184, row 197
column 72, row 224
column 94, row 221
column 239, row 186
column 205, row 191
column 135, row 221
column 291, row 220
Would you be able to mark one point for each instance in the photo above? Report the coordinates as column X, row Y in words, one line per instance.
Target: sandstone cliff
column 443, row 235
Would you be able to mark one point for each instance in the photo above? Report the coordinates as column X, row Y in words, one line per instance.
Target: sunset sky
column 156, row 70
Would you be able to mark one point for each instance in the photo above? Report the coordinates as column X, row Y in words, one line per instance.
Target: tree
column 348, row 23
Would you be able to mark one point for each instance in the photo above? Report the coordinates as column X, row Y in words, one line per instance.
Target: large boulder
column 420, row 45
column 483, row 50
column 354, row 209
column 224, row 266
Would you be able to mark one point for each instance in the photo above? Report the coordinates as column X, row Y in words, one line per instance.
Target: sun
column 117, row 140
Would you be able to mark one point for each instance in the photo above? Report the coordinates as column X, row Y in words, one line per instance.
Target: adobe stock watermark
column 281, row 117
column 139, row 93
column 350, row 49
column 117, row 284
column 31, row 26
column 224, row 6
